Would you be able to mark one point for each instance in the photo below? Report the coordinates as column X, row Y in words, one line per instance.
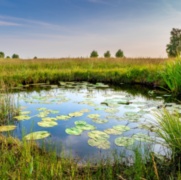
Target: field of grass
column 110, row 70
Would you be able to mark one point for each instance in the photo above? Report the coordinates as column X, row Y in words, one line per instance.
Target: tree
column 94, row 54
column 15, row 56
column 7, row 57
column 119, row 54
column 107, row 54
column 173, row 49
column 2, row 55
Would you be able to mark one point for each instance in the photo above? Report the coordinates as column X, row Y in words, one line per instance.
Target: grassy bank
column 24, row 160
column 110, row 70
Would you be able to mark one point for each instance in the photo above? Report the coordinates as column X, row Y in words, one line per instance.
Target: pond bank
column 25, row 160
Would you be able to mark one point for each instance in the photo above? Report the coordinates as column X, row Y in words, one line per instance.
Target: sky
column 74, row 28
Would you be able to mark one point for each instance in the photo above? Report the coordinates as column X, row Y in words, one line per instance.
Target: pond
column 85, row 119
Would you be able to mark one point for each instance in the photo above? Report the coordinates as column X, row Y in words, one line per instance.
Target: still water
column 115, row 118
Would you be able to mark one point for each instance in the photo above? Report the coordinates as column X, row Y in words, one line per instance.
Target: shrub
column 119, row 54
column 107, row 54
column 15, row 56
column 94, row 54
column 2, row 55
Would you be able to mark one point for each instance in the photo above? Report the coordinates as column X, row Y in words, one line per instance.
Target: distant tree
column 107, row 54
column 173, row 49
column 2, row 55
column 7, row 57
column 35, row 57
column 94, row 54
column 119, row 54
column 15, row 56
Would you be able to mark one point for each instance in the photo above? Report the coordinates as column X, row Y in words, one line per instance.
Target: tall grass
column 110, row 70
column 172, row 76
column 170, row 130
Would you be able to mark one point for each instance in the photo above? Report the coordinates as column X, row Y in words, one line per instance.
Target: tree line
column 107, row 54
column 14, row 56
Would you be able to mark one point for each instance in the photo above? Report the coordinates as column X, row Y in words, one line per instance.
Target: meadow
column 23, row 160
column 108, row 70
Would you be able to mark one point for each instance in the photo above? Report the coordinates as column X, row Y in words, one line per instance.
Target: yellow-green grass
column 109, row 70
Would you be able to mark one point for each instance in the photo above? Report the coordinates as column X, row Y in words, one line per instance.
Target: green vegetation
column 171, row 75
column 94, row 54
column 174, row 47
column 119, row 54
column 2, row 55
column 15, row 56
column 107, row 54
column 108, row 70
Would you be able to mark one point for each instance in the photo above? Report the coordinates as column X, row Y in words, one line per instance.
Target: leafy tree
column 174, row 47
column 2, row 55
column 107, row 54
column 119, row 54
column 15, row 56
column 7, row 57
column 35, row 57
column 94, row 54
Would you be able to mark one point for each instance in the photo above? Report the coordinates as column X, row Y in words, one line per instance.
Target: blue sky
column 73, row 28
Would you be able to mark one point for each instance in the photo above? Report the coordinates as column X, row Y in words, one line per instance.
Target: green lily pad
column 124, row 141
column 47, row 123
column 43, row 114
column 22, row 117
column 99, row 143
column 63, row 117
column 37, row 135
column 7, row 128
column 53, row 111
column 111, row 110
column 85, row 127
column 80, row 122
column 113, row 131
column 73, row 131
column 93, row 116
column 96, row 134
column 25, row 112
column 142, row 137
column 49, row 119
column 76, row 114
column 130, row 113
column 100, row 121
column 121, row 128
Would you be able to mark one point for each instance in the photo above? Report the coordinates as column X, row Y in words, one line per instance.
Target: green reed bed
column 111, row 70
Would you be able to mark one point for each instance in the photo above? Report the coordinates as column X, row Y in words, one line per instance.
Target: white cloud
column 7, row 23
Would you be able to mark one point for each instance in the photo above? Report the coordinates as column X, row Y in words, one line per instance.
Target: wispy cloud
column 7, row 23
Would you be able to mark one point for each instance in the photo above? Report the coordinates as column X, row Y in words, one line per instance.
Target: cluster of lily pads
column 135, row 111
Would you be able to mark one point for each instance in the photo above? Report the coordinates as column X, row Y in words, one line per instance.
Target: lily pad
column 7, row 128
column 63, row 117
column 99, row 143
column 42, row 109
column 25, row 112
column 47, row 123
column 142, row 137
column 85, row 110
column 113, row 131
column 37, row 135
column 93, row 116
column 124, row 141
column 73, row 131
column 49, row 119
column 111, row 110
column 80, row 122
column 76, row 114
column 85, row 127
column 100, row 121
column 22, row 117
column 121, row 128
column 96, row 134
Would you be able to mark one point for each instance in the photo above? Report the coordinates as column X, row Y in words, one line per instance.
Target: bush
column 15, row 56
column 107, row 54
column 119, row 54
column 2, row 55
column 94, row 54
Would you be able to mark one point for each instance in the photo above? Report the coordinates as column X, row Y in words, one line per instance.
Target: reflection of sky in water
column 77, row 145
